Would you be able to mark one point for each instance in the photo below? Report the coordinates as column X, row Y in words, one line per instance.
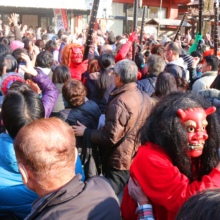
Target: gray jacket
column 93, row 199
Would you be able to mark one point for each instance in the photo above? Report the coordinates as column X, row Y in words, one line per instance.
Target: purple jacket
column 49, row 91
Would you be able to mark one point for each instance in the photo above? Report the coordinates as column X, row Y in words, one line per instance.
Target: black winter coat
column 88, row 114
column 93, row 91
column 146, row 85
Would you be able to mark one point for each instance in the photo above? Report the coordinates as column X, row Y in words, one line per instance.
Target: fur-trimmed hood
column 213, row 96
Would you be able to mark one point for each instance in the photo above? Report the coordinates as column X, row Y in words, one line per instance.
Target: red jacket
column 122, row 55
column 123, row 51
column 163, row 183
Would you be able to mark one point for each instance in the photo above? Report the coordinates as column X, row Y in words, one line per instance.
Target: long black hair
column 165, row 84
column 163, row 127
column 105, row 62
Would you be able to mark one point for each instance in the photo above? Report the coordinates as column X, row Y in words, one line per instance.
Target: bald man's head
column 46, row 147
column 106, row 49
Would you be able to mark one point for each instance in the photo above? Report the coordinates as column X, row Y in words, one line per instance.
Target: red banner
column 65, row 22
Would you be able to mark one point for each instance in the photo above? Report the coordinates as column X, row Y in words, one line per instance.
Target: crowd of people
column 75, row 134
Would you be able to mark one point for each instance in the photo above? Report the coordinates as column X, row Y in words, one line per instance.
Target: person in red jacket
column 126, row 51
column 72, row 57
column 179, row 155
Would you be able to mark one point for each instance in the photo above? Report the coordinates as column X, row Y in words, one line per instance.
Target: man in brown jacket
column 124, row 116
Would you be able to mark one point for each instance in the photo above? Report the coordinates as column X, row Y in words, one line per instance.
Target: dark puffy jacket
column 88, row 114
column 146, row 85
column 213, row 96
column 49, row 91
column 93, row 90
column 175, row 70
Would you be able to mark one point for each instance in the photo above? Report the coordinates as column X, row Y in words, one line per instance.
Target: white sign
column 104, row 7
column 47, row 4
column 60, row 19
column 150, row 30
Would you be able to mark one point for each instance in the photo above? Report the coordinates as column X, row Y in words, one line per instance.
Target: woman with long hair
column 100, row 84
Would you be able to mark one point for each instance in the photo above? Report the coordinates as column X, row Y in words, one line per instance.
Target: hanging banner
column 65, row 22
column 60, row 19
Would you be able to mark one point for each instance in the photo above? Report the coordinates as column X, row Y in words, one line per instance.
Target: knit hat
column 16, row 44
column 8, row 79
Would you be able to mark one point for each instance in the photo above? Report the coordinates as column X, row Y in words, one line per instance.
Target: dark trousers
column 118, row 178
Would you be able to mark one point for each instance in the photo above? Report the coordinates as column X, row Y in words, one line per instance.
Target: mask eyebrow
column 190, row 123
column 204, row 123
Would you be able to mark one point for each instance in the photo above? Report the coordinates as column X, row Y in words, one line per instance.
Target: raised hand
column 13, row 19
column 29, row 67
column 133, row 37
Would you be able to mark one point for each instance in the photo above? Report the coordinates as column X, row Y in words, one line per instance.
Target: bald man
column 45, row 151
column 106, row 49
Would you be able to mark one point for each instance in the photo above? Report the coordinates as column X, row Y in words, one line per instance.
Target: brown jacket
column 120, row 117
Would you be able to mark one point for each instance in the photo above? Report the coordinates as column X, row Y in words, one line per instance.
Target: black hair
column 147, row 53
column 27, row 76
column 17, row 54
column 118, row 37
column 139, row 60
column 26, row 41
column 9, row 61
column 44, row 59
column 5, row 49
column 105, row 62
column 50, row 44
column 111, row 39
column 20, row 107
column 165, row 84
column 61, row 74
column 212, row 61
column 202, row 206
column 163, row 128
column 197, row 54
column 60, row 33
column 79, row 36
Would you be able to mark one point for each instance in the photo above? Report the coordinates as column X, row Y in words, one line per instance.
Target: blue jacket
column 146, row 85
column 14, row 195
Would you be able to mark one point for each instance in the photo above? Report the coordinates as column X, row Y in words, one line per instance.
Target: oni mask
column 77, row 55
column 194, row 120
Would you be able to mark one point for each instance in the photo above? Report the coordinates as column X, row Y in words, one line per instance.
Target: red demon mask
column 194, row 120
column 77, row 55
